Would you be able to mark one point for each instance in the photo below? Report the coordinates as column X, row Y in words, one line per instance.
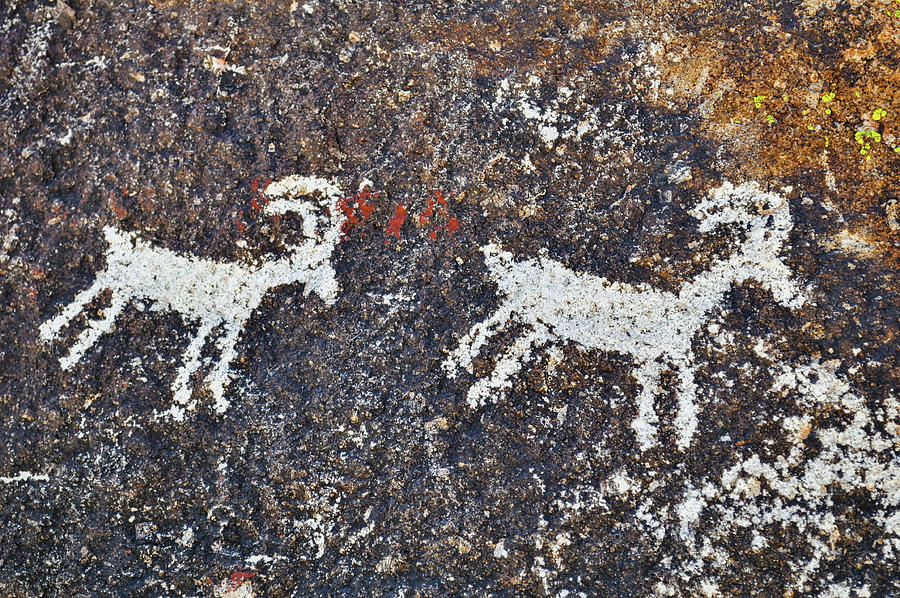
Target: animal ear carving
column 211, row 295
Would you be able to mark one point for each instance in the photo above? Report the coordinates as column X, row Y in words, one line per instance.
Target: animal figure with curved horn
column 655, row 328
column 208, row 293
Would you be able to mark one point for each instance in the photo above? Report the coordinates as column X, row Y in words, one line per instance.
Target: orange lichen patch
column 786, row 114
column 860, row 54
column 528, row 38
column 687, row 76
column 892, row 212
column 811, row 7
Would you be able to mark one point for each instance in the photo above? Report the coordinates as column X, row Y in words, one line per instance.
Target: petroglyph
column 210, row 294
column 654, row 327
column 24, row 476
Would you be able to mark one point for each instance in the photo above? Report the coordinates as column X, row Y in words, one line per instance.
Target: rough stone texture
column 349, row 462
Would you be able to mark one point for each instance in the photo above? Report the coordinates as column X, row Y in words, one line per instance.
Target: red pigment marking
column 366, row 202
column 357, row 208
column 145, row 199
column 425, row 217
column 117, row 209
column 238, row 578
column 240, row 224
column 32, row 295
column 345, row 205
column 437, row 205
column 259, row 200
column 440, row 199
column 452, row 226
column 396, row 222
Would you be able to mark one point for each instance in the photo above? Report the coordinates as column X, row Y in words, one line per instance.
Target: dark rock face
column 591, row 299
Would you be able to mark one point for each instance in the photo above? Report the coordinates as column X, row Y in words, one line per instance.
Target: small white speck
column 500, row 550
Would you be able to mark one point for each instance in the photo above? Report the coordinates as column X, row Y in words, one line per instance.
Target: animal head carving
column 314, row 199
column 317, row 215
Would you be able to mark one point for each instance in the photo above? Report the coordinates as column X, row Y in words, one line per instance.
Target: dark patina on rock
column 350, row 455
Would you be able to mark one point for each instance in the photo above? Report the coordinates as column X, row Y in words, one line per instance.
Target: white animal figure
column 654, row 327
column 209, row 293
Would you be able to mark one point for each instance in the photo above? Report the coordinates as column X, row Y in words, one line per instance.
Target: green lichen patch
column 863, row 139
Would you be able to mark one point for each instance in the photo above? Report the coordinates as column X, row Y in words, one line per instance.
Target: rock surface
column 426, row 299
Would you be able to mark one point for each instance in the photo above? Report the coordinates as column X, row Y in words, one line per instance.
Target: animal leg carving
column 323, row 282
column 644, row 425
column 94, row 330
column 50, row 329
column 508, row 365
column 220, row 376
column 654, row 327
column 778, row 280
column 471, row 343
column 213, row 292
column 686, row 419
column 181, row 386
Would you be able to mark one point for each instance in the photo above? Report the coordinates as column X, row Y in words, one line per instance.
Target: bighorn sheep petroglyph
column 655, row 328
column 210, row 293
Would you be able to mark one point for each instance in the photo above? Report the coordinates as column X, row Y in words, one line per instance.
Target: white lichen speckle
column 793, row 493
column 500, row 551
